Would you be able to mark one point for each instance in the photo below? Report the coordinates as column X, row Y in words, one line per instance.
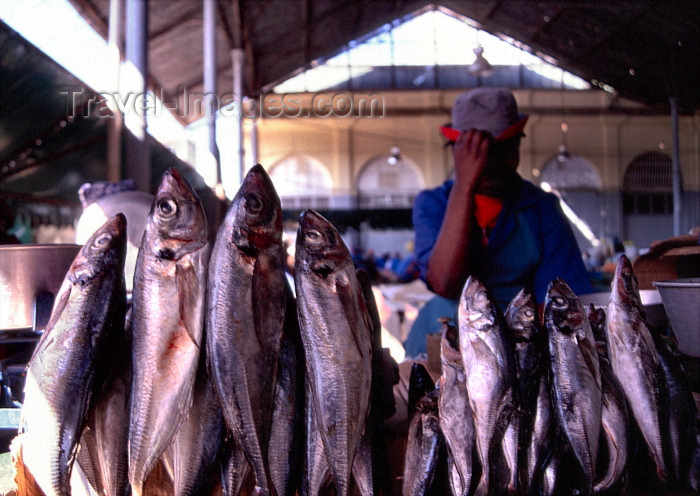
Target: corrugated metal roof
column 49, row 144
column 647, row 50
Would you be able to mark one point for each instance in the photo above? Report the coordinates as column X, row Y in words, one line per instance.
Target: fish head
column 562, row 309
column 521, row 317
column 450, row 336
column 106, row 247
column 596, row 316
column 449, row 346
column 625, row 287
column 477, row 306
column 319, row 246
column 177, row 224
column 255, row 215
column 429, row 403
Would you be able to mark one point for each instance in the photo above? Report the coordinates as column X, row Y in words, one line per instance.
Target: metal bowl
column 30, row 277
column 681, row 298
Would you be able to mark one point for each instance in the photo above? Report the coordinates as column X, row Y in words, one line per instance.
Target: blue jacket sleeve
column 428, row 212
column 561, row 256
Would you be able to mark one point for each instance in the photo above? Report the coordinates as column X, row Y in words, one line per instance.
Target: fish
column 525, row 451
column 635, row 361
column 576, row 381
column 694, row 470
column 245, row 316
column 317, row 470
column 286, row 433
column 363, row 464
column 109, row 416
column 422, row 447
column 385, row 370
column 336, row 330
column 168, row 321
column 235, row 470
column 614, row 413
column 371, row 459
column 456, row 420
column 420, row 383
column 550, row 477
column 682, row 411
column 540, row 448
column 489, row 365
column 61, row 370
column 193, row 457
column 86, row 459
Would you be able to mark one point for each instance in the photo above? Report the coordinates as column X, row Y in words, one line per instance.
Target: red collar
column 487, row 210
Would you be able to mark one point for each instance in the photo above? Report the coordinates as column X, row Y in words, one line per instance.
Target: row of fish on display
column 591, row 402
column 218, row 374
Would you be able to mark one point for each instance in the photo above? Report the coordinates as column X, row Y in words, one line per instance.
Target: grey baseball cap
column 487, row 109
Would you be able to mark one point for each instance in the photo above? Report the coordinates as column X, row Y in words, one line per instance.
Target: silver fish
column 245, row 316
column 168, row 321
column 694, row 470
column 60, row 373
column 317, row 471
column 420, row 383
column 336, row 332
column 235, row 470
column 286, row 434
column 550, row 476
column 456, row 417
column 487, row 354
column 682, row 410
column 520, row 443
column 87, row 460
column 193, row 456
column 634, row 360
column 422, row 447
column 362, row 466
column 576, row 381
column 109, row 417
column 614, row 414
column 540, row 447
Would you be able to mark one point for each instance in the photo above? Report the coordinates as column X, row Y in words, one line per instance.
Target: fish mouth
column 116, row 225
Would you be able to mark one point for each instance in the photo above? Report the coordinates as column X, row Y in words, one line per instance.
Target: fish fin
column 643, row 330
column 590, row 355
column 188, row 290
column 353, row 303
column 373, row 311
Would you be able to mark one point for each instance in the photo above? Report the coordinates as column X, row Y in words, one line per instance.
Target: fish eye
column 167, row 207
column 528, row 312
column 559, row 301
column 102, row 240
column 313, row 235
column 253, row 203
column 480, row 297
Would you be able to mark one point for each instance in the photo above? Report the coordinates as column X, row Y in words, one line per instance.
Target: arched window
column 302, row 182
column 389, row 181
column 647, row 198
column 647, row 188
column 569, row 173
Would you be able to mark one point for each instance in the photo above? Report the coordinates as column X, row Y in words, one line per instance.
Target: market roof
column 647, row 50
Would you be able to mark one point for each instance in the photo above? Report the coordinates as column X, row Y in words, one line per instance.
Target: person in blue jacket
column 487, row 221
